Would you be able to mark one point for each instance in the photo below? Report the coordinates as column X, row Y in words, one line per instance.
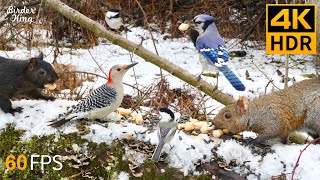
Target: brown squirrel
column 24, row 78
column 276, row 114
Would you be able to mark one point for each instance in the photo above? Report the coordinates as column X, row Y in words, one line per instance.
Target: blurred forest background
column 242, row 19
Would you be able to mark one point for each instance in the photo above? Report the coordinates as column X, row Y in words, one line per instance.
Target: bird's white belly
column 206, row 66
column 114, row 23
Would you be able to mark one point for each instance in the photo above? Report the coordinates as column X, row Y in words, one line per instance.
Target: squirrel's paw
column 16, row 110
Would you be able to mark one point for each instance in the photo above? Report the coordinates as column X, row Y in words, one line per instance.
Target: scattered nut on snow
column 123, row 111
column 194, row 133
column 129, row 136
column 199, row 124
column 217, row 133
column 188, row 126
column 204, row 129
column 139, row 119
column 184, row 27
column 50, row 86
column 237, row 136
column 181, row 126
column 193, row 120
column 226, row 131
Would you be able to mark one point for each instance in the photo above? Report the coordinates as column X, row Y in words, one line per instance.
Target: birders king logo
column 20, row 14
column 291, row 29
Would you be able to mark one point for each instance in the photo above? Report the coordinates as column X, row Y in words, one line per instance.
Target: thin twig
column 270, row 80
column 97, row 63
column 145, row 20
column 301, row 151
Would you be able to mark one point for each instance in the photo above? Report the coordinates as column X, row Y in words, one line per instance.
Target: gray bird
column 166, row 129
column 113, row 19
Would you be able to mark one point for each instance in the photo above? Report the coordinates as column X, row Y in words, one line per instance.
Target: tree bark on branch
column 139, row 50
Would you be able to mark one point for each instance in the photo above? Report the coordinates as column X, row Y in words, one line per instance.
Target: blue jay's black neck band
column 193, row 35
column 206, row 24
column 168, row 111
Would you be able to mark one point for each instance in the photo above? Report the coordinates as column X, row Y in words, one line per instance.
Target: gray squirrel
column 24, row 79
column 276, row 114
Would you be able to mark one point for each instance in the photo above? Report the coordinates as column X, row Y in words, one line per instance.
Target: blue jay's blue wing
column 219, row 57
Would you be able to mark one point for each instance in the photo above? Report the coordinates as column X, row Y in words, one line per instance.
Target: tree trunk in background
column 137, row 49
column 317, row 56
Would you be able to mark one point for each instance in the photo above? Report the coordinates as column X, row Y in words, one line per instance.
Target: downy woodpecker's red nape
column 100, row 102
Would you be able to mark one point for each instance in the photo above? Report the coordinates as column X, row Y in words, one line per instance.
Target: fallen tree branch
column 170, row 67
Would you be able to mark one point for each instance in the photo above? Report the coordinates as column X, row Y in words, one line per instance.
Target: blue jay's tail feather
column 157, row 153
column 232, row 78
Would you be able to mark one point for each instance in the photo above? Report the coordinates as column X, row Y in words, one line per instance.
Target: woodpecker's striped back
column 101, row 97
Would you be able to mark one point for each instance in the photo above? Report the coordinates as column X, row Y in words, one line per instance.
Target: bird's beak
column 192, row 24
column 130, row 65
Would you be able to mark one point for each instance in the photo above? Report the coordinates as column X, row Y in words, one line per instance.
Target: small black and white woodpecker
column 114, row 19
column 166, row 129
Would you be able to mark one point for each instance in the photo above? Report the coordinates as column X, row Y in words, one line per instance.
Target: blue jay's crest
column 203, row 17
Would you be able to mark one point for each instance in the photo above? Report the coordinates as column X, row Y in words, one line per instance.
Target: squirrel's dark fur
column 24, row 78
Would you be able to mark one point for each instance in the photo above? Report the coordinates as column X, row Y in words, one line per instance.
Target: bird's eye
column 119, row 69
column 198, row 22
column 227, row 115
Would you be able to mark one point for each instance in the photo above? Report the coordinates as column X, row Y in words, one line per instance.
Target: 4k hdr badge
column 291, row 29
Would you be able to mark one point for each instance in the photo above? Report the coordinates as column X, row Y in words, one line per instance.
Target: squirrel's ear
column 32, row 63
column 242, row 104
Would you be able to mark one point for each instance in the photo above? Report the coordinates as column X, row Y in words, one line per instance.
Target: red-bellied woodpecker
column 101, row 102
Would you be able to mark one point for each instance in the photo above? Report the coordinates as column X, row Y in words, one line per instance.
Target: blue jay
column 210, row 44
column 113, row 19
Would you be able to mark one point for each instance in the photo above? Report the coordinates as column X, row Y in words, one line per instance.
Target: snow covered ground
column 190, row 149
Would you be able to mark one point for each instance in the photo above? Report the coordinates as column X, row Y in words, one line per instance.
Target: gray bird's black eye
column 118, row 69
column 198, row 22
column 227, row 115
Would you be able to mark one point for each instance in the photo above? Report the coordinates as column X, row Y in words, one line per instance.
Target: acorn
column 52, row 86
column 217, row 133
